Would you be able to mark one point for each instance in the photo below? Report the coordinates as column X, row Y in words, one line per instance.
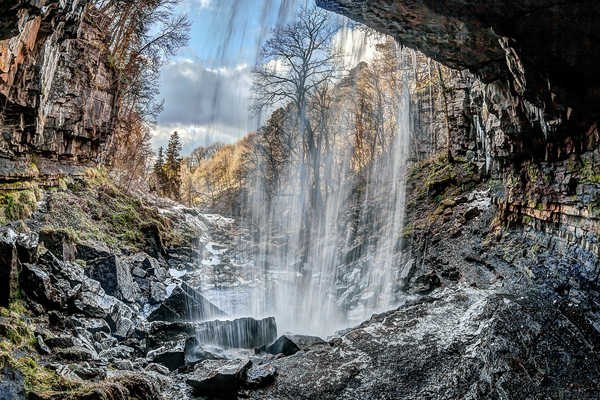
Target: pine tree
column 172, row 167
column 158, row 170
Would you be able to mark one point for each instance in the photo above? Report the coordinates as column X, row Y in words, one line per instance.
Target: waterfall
column 326, row 246
column 327, row 279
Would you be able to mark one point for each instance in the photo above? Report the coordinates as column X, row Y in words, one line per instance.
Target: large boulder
column 291, row 344
column 59, row 242
column 460, row 343
column 36, row 283
column 113, row 273
column 160, row 332
column 219, row 378
column 27, row 247
column 171, row 355
column 9, row 266
column 185, row 304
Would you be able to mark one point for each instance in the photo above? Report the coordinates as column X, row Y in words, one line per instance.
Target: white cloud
column 193, row 136
column 204, row 105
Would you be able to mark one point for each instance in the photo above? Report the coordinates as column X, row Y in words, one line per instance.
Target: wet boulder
column 114, row 276
column 246, row 333
column 121, row 319
column 170, row 355
column 185, row 304
column 160, row 332
column 219, row 378
column 27, row 246
column 117, row 353
column 76, row 354
column 291, row 344
column 260, row 375
column 37, row 285
column 195, row 352
column 60, row 342
column 9, row 266
column 59, row 243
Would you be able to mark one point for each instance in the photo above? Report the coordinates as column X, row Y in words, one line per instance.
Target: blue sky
column 206, row 86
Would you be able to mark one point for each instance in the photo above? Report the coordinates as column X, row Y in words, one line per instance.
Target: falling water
column 344, row 270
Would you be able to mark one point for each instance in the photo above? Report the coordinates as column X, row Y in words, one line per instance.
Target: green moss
column 93, row 208
column 20, row 203
column 17, row 351
column 590, row 172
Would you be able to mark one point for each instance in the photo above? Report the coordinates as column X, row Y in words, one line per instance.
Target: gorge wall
column 57, row 94
column 528, row 101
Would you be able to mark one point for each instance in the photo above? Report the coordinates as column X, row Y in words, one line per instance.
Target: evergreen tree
column 172, row 167
column 158, row 170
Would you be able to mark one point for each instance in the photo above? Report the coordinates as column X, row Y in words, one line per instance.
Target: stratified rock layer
column 56, row 88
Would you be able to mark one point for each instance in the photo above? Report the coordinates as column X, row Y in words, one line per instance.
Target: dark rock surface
column 55, row 87
column 526, row 42
column 12, row 385
column 219, row 378
column 291, row 344
column 185, row 304
column 170, row 355
column 460, row 343
column 9, row 266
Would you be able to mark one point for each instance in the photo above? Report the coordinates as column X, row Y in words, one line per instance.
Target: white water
column 307, row 284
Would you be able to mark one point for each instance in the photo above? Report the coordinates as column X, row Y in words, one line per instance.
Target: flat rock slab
column 219, row 378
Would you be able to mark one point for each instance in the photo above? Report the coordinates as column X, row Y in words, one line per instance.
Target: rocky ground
column 103, row 295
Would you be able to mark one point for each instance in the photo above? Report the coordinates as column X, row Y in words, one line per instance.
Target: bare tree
column 142, row 35
column 296, row 63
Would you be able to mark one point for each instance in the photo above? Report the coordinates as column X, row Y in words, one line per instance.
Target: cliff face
column 526, row 108
column 531, row 107
column 56, row 89
column 542, row 50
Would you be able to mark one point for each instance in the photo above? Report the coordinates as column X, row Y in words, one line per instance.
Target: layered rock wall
column 530, row 105
column 56, row 90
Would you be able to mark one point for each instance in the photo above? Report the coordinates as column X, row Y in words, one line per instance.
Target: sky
column 206, row 86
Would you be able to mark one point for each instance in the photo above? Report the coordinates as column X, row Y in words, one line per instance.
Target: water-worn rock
column 291, row 344
column 260, row 375
column 196, row 352
column 60, row 342
column 460, row 343
column 171, row 355
column 27, row 245
column 117, row 353
column 161, row 332
column 185, row 304
column 76, row 354
column 114, row 275
column 38, row 286
column 60, row 243
column 9, row 266
column 219, row 378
